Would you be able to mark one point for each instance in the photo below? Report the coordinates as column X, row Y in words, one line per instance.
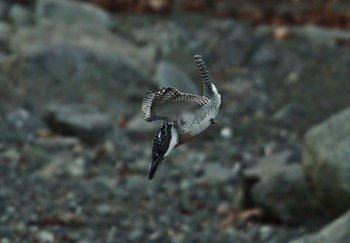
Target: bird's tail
column 207, row 80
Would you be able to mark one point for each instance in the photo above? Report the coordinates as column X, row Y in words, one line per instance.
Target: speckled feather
column 168, row 103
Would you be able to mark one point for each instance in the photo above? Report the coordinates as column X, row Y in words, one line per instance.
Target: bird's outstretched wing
column 168, row 104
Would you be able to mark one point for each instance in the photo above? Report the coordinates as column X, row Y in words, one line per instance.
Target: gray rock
column 104, row 209
column 320, row 36
column 168, row 74
column 266, row 54
column 56, row 143
column 34, row 40
column 35, row 157
column 54, row 165
column 335, row 232
column 240, row 87
column 167, row 37
column 217, row 173
column 45, row 236
column 73, row 64
column 212, row 32
column 326, row 161
column 5, row 32
column 289, row 110
column 280, row 189
column 138, row 126
column 236, row 49
column 20, row 15
column 19, row 126
column 79, row 120
column 3, row 10
column 71, row 12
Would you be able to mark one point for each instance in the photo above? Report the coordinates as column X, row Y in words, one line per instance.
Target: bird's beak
column 154, row 167
column 214, row 122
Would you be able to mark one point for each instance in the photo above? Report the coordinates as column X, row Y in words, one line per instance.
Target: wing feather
column 168, row 103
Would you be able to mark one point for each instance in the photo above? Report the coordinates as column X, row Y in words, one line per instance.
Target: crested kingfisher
column 184, row 115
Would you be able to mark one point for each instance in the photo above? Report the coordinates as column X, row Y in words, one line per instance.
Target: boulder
column 19, row 126
column 335, row 232
column 326, row 160
column 74, row 64
column 82, row 121
column 236, row 49
column 168, row 74
column 280, row 189
column 166, row 36
column 20, row 15
column 3, row 10
column 71, row 12
column 5, row 32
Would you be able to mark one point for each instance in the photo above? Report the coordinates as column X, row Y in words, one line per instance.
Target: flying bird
column 184, row 115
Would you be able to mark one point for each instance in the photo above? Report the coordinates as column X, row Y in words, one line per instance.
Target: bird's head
column 165, row 141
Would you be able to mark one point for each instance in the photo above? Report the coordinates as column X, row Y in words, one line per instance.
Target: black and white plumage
column 184, row 115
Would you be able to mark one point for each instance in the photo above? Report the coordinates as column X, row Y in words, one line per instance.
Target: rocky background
column 75, row 154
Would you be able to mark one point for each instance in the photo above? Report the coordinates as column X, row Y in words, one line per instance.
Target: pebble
column 45, row 236
column 226, row 132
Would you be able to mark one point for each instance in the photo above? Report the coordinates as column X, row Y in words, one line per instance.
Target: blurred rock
column 321, row 36
column 280, row 189
column 5, row 32
column 56, row 143
column 239, row 87
column 19, row 126
column 73, row 64
column 35, row 157
column 55, row 165
column 138, row 126
column 38, row 39
column 166, row 37
column 326, row 161
column 82, row 121
column 45, row 236
column 214, row 172
column 3, row 10
column 71, row 12
column 235, row 50
column 168, row 74
column 335, row 232
column 20, row 16
column 288, row 111
column 266, row 54
column 206, row 38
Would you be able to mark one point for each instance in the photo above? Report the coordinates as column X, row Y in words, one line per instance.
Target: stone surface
column 235, row 50
column 105, row 66
column 166, row 36
column 168, row 74
column 216, row 173
column 80, row 120
column 138, row 126
column 326, row 155
column 85, row 193
column 20, row 16
column 335, row 232
column 71, row 12
column 5, row 32
column 3, row 10
column 321, row 36
column 34, row 40
column 280, row 189
column 19, row 126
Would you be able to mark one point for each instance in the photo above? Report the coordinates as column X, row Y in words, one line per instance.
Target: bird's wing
column 168, row 104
